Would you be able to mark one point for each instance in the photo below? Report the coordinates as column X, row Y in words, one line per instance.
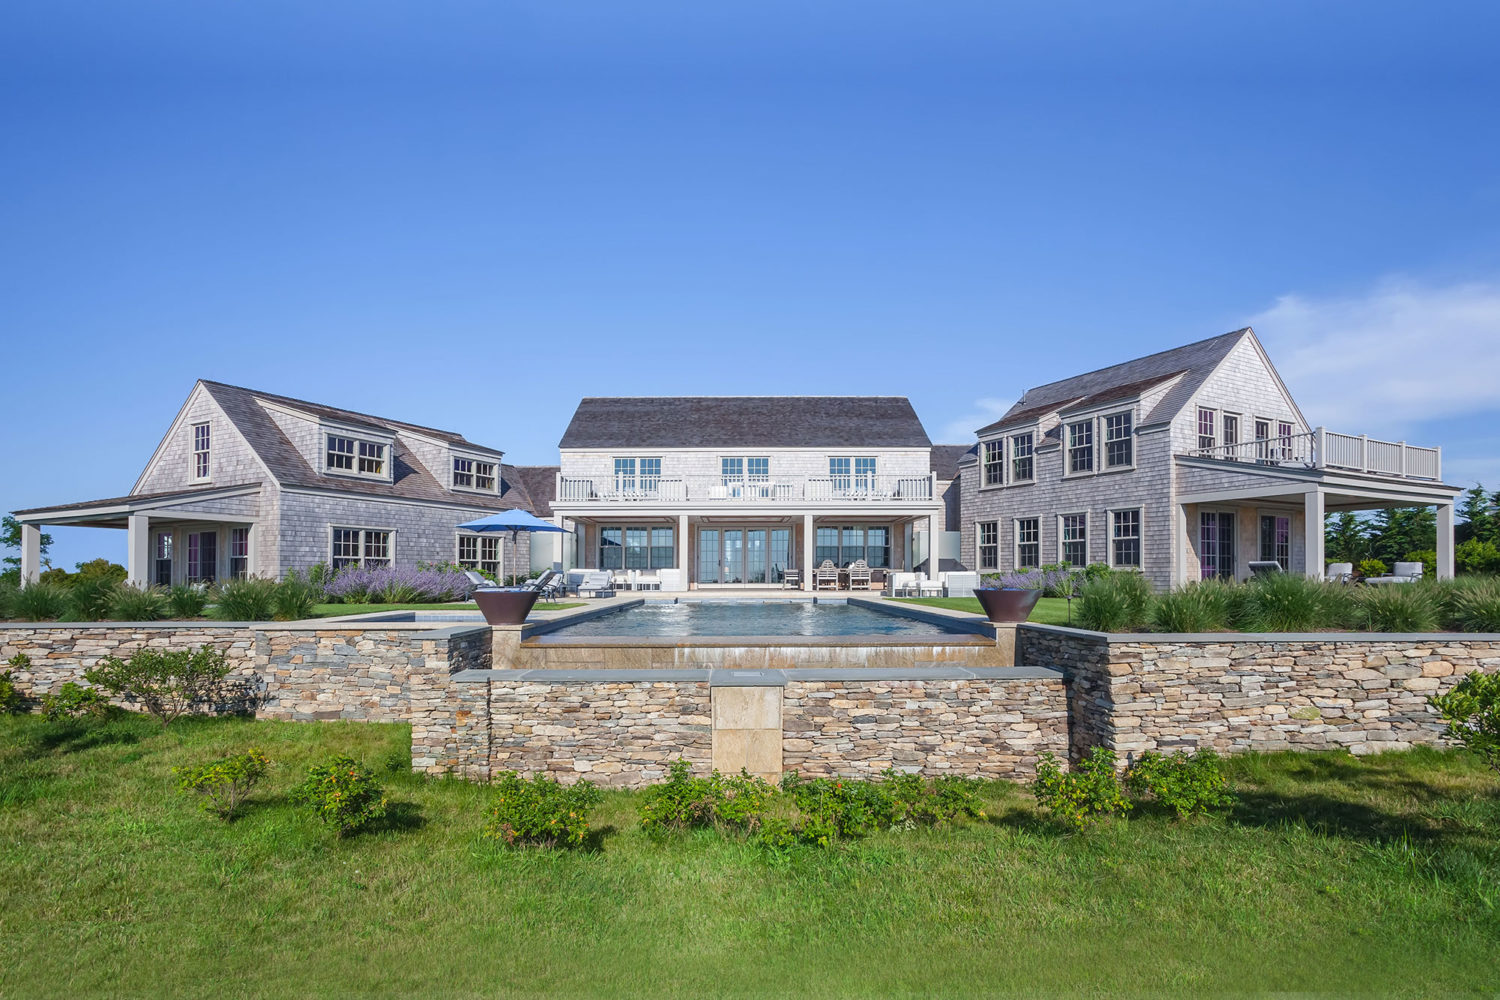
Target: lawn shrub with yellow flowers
column 343, row 794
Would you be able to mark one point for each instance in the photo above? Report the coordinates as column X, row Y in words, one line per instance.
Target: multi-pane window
column 360, row 547
column 1021, row 458
column 347, row 454
column 827, row 547
column 201, row 441
column 624, row 474
column 480, row 552
column 757, row 469
column 1216, row 531
column 1073, row 535
column 161, row 574
column 864, row 473
column 650, row 473
column 1125, row 539
column 472, row 474
column 636, row 547
column 1262, row 439
column 484, row 476
column 239, row 552
column 994, row 463
column 1276, row 540
column 371, row 459
column 733, row 470
column 1207, row 425
column 1081, row 446
column 202, row 556
column 989, row 545
column 341, row 452
column 1118, row 445
column 663, row 547
column 842, row 546
column 1231, row 435
column 1284, row 436
column 463, row 473
column 1028, row 542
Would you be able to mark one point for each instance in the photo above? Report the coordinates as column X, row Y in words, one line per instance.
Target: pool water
column 757, row 618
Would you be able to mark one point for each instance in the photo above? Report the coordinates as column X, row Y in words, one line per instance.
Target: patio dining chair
column 791, row 579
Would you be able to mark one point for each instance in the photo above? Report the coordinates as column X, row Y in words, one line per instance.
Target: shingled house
column 252, row 483
column 1187, row 464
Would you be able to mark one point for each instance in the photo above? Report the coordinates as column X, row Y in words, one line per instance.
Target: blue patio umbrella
column 513, row 521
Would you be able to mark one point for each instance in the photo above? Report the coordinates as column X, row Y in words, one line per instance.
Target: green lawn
column 335, row 610
column 1334, row 874
column 1048, row 610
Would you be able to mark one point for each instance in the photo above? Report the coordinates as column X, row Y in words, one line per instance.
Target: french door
column 203, row 556
column 1216, row 532
column 743, row 556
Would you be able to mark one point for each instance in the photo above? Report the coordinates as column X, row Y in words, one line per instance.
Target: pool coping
column 775, row 677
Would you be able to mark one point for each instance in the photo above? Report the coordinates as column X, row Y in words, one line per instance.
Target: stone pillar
column 1312, row 502
column 807, row 551
column 1005, row 644
column 31, row 552
column 747, row 731
column 138, row 543
column 682, row 552
column 1445, row 541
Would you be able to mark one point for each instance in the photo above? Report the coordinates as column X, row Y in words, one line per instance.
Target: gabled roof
column 1191, row 364
column 946, row 458
column 745, row 422
column 412, row 480
column 539, row 482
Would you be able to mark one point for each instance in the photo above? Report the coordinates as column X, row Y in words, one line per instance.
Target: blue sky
column 471, row 214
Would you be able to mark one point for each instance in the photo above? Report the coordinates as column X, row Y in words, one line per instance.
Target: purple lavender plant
column 1050, row 579
column 398, row 585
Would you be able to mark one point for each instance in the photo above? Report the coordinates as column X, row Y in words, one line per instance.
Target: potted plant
column 505, row 605
column 1010, row 597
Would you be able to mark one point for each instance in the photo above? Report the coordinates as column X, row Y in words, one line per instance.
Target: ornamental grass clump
column 40, row 602
column 246, row 599
column 1407, row 607
column 138, row 604
column 1119, row 602
column 90, row 597
column 1291, row 602
column 1205, row 606
column 1080, row 797
column 541, row 812
column 186, row 601
column 342, row 793
column 1472, row 604
column 1183, row 782
column 222, row 785
column 295, row 597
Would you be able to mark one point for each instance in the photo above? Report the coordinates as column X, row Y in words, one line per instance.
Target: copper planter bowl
column 1007, row 605
column 505, row 607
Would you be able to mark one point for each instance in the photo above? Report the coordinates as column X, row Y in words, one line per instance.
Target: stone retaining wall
column 1364, row 692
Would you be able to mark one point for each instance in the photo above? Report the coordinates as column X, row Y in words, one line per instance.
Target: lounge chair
column 479, row 580
column 859, row 575
column 1403, row 572
column 956, row 584
column 549, row 584
column 596, row 583
column 671, row 579
column 1340, row 572
column 646, row 579
column 1264, row 567
column 826, row 576
column 928, row 588
column 903, row 584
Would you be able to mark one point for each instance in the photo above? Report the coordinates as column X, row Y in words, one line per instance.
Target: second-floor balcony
column 746, row 489
column 1324, row 449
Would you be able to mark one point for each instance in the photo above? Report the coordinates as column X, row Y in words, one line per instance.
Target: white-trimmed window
column 1119, row 445
column 1231, row 435
column 1028, row 542
column 1208, row 420
column 351, row 456
column 1284, row 430
column 239, row 553
column 847, row 473
column 361, row 547
column 994, row 463
column 1073, row 539
column 1022, row 460
column 988, row 535
column 161, row 574
column 202, row 442
column 632, row 546
column 1262, row 438
column 1081, row 447
column 1125, row 538
column 474, row 474
column 480, row 552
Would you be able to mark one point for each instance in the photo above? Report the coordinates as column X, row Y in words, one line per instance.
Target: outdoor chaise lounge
column 1340, row 572
column 1404, row 572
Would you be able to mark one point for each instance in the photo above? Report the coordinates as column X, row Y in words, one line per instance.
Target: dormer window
column 202, row 440
column 353, row 457
column 474, row 474
column 1021, row 448
column 1081, row 446
column 994, row 463
column 1119, row 445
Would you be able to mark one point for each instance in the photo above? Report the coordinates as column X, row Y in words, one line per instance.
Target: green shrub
column 342, row 793
column 1185, row 783
column 1118, row 602
column 831, row 809
column 1409, row 607
column 136, row 604
column 40, row 602
column 685, row 802
column 1079, row 797
column 1204, row 606
column 223, row 784
column 1428, row 559
column 186, row 601
column 166, row 683
column 1472, row 604
column 1475, row 556
column 1366, row 568
column 74, row 701
column 1291, row 602
column 295, row 597
column 917, row 801
column 541, row 812
column 1472, row 711
column 7, row 597
column 90, row 597
column 12, row 702
column 247, row 599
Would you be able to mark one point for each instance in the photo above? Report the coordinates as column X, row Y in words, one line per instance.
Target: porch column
column 1312, row 513
column 1445, row 541
column 682, row 551
column 31, row 552
column 559, row 543
column 1179, row 543
column 138, row 543
column 807, row 551
column 934, row 562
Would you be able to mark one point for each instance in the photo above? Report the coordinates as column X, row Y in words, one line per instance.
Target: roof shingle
column 745, row 422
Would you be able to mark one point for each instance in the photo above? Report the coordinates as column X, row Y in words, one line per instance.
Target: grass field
column 1048, row 610
column 1333, row 874
column 335, row 610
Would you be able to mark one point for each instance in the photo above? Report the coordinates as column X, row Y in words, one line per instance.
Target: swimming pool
column 677, row 619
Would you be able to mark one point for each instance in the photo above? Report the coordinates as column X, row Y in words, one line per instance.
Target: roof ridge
column 813, row 395
column 1144, row 357
column 278, row 397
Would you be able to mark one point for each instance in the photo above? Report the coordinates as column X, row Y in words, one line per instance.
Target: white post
column 1312, row 508
column 1437, row 465
column 1364, row 453
column 1401, row 450
column 1319, row 455
column 559, row 542
column 682, row 551
column 31, row 553
column 138, row 549
column 1445, row 541
column 807, row 551
column 933, row 561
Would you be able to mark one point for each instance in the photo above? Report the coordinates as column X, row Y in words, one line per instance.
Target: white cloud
column 1380, row 363
column 961, row 429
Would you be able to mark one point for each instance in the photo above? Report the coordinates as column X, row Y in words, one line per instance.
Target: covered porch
column 191, row 536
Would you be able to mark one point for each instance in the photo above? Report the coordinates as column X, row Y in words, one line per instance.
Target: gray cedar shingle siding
column 745, row 422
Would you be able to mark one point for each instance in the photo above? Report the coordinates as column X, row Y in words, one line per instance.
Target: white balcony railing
column 745, row 489
column 1325, row 449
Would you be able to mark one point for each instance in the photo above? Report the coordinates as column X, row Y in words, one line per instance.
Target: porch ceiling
column 1338, row 494
column 115, row 511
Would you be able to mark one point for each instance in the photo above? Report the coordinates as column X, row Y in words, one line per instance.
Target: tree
column 1480, row 514
column 1346, row 538
column 1399, row 530
column 10, row 538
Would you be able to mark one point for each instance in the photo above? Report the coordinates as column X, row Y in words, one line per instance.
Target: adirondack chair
column 826, row 576
column 859, row 575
